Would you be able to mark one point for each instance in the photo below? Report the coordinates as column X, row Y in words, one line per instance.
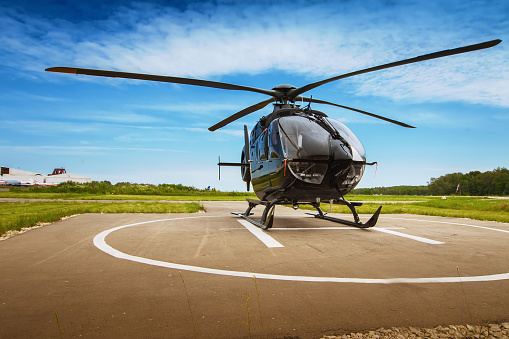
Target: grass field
column 188, row 197
column 15, row 216
column 89, row 196
column 458, row 207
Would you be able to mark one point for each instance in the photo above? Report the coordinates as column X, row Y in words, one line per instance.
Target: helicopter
column 295, row 155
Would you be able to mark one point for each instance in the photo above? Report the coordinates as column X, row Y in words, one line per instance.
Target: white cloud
column 23, row 96
column 463, row 78
column 194, row 108
column 78, row 150
column 315, row 40
column 49, row 128
column 122, row 118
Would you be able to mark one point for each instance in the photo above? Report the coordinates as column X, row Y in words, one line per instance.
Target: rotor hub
column 284, row 88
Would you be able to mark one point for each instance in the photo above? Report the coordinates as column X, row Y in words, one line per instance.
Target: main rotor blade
column 162, row 78
column 355, row 110
column 242, row 113
column 294, row 93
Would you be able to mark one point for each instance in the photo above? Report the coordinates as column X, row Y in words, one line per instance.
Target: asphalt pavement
column 174, row 275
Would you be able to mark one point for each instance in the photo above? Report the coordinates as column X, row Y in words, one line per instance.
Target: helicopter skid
column 357, row 221
column 267, row 216
column 254, row 222
column 370, row 223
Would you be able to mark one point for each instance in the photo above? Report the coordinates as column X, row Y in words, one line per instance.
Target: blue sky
column 139, row 131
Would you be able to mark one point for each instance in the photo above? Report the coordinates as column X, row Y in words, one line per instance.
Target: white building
column 12, row 176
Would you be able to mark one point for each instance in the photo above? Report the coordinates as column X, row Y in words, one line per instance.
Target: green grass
column 359, row 197
column 92, row 196
column 15, row 216
column 124, row 188
column 456, row 207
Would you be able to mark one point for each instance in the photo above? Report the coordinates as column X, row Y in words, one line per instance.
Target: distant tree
column 395, row 190
column 474, row 183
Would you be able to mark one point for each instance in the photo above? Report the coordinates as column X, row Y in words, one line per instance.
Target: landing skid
column 357, row 221
column 267, row 218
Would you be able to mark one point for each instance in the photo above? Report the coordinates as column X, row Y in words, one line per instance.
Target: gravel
column 453, row 331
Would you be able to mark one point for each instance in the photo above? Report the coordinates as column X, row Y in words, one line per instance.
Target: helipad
column 136, row 275
column 267, row 238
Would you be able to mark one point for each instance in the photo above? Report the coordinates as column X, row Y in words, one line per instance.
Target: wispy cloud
column 93, row 129
column 314, row 40
column 122, row 118
column 460, row 78
column 48, row 128
column 195, row 108
column 128, row 138
column 16, row 95
column 79, row 150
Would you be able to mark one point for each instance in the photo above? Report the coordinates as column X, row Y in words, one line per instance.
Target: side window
column 253, row 152
column 273, row 141
column 261, row 146
column 274, row 137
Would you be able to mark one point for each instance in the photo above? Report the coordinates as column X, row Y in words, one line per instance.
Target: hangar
column 12, row 176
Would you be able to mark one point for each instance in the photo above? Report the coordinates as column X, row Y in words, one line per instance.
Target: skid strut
column 268, row 213
column 267, row 216
column 357, row 221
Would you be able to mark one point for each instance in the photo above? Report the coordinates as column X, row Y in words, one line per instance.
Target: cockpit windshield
column 312, row 143
column 302, row 138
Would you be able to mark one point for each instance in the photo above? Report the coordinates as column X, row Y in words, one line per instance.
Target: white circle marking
column 100, row 243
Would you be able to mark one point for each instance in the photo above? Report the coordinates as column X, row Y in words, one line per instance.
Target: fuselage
column 299, row 156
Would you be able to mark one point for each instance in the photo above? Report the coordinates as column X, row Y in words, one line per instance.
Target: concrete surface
column 57, row 270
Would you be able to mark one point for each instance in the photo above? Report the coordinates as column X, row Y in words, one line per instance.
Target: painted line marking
column 449, row 223
column 413, row 237
column 100, row 243
column 260, row 234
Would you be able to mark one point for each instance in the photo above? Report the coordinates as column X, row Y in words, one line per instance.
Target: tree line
column 473, row 183
column 125, row 188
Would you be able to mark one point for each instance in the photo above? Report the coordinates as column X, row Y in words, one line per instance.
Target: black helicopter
column 295, row 155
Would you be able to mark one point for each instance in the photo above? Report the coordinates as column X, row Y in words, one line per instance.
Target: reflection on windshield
column 311, row 172
column 303, row 139
column 350, row 138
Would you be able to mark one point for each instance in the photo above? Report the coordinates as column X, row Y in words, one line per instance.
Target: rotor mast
column 283, row 93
